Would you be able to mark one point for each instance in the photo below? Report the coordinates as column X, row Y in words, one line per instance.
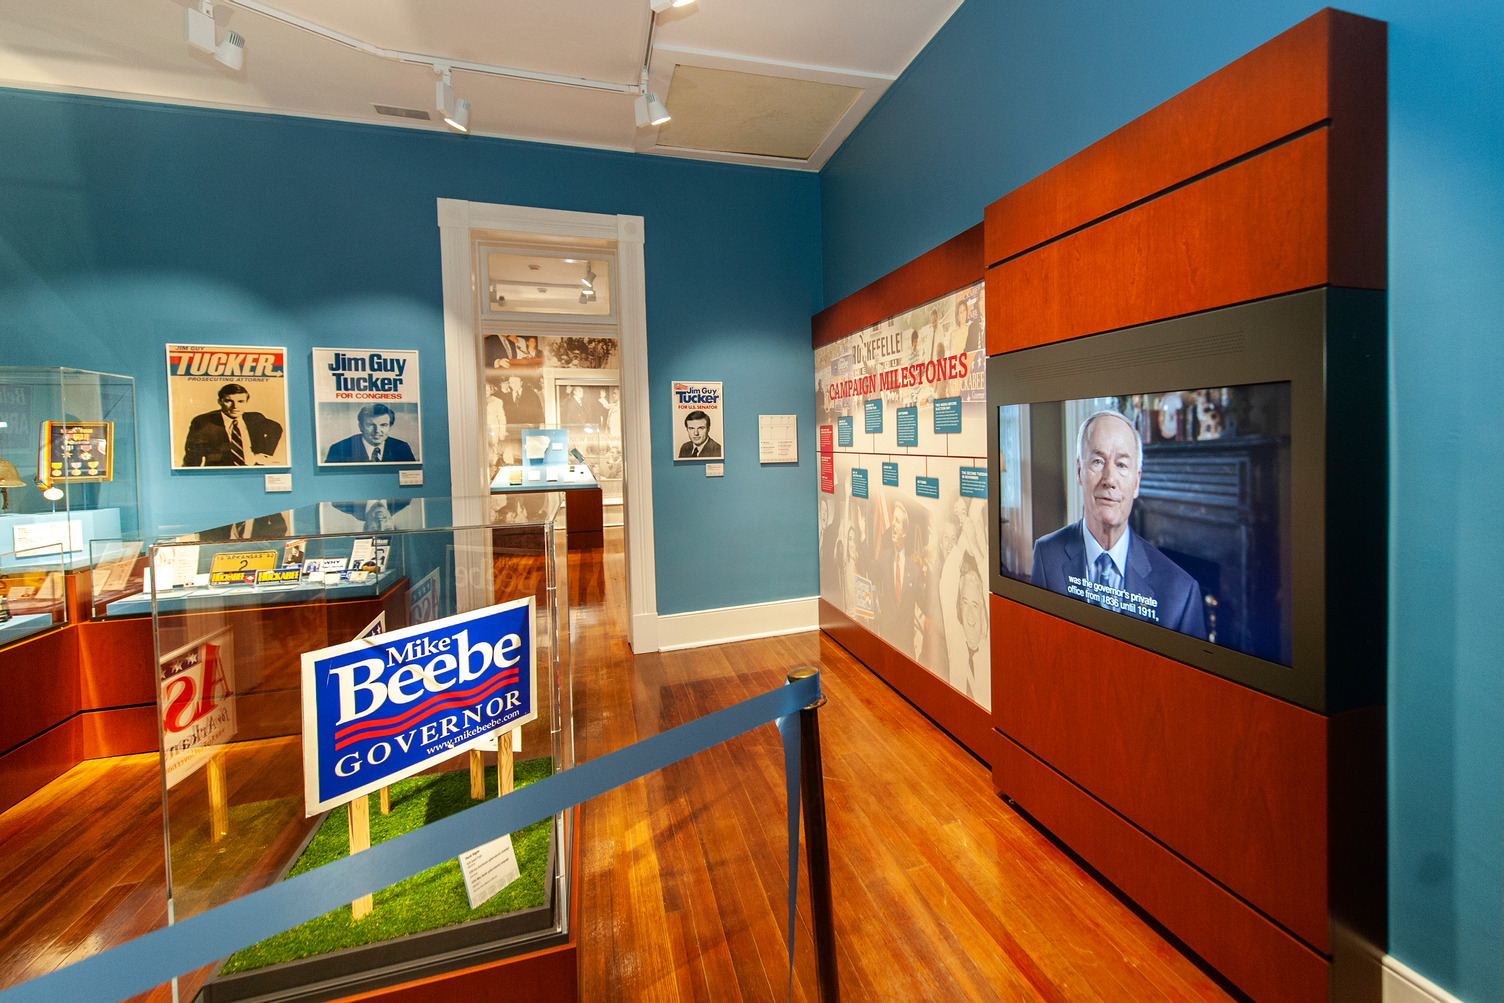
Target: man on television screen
column 1101, row 561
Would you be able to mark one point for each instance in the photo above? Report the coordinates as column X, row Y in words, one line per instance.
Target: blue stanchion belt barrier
column 156, row 957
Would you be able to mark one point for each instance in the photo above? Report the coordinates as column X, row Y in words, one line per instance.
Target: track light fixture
column 456, row 111
column 650, row 111
column 231, row 51
column 198, row 32
column 659, row 6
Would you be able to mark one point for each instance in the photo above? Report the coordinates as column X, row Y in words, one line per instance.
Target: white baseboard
column 1403, row 984
column 737, row 623
column 644, row 633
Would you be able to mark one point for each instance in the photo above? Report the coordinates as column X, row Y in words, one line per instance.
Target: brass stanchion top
column 804, row 672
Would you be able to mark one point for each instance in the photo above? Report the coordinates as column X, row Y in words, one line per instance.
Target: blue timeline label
column 973, row 482
column 947, row 415
column 908, row 426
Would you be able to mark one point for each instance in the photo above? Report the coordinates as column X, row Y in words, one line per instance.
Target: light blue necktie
column 1106, row 573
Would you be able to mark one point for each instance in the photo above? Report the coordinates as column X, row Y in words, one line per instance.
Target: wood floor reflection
column 941, row 891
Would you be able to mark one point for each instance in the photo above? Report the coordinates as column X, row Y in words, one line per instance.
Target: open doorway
column 550, row 337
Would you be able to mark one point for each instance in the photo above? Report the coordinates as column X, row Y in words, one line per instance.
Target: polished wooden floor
column 941, row 891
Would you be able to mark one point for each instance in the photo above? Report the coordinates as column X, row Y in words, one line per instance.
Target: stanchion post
column 816, row 844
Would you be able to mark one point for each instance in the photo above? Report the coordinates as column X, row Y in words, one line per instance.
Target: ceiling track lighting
column 198, row 32
column 649, row 108
column 456, row 111
column 650, row 111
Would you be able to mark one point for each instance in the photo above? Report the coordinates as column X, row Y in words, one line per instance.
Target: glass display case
column 31, row 593
column 67, row 462
column 235, row 612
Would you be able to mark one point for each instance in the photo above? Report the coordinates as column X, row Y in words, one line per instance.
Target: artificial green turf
column 426, row 901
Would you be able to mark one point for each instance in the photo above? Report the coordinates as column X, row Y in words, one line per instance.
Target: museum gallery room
column 928, row 500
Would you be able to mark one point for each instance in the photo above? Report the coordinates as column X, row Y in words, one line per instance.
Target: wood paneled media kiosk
column 1243, row 808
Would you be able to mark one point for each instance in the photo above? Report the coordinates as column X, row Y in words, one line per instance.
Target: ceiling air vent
column 386, row 109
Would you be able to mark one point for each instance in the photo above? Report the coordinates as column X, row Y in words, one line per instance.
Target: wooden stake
column 219, row 804
column 360, row 839
column 504, row 764
column 386, row 800
column 477, row 776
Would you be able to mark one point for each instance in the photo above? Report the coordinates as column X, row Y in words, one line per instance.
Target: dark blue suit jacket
column 1062, row 554
column 208, row 444
column 353, row 450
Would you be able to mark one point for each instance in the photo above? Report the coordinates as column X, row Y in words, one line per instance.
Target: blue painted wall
column 124, row 226
column 1007, row 90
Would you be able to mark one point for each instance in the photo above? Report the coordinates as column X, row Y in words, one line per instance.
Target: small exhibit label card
column 279, row 482
column 488, row 869
column 778, row 438
column 715, row 470
column 410, row 478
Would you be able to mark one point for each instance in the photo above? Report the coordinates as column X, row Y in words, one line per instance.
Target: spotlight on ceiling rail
column 198, row 32
column 456, row 111
column 649, row 110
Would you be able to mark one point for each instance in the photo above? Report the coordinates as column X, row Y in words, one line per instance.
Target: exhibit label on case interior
column 873, row 414
column 381, row 708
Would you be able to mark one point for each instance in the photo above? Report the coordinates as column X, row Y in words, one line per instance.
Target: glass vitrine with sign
column 31, row 593
column 347, row 673
column 67, row 462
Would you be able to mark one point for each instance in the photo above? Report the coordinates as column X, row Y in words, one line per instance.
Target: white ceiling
column 339, row 64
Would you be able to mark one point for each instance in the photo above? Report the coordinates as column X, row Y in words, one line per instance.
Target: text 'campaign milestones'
column 384, row 707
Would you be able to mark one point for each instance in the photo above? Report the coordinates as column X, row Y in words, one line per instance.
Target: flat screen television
column 1212, row 488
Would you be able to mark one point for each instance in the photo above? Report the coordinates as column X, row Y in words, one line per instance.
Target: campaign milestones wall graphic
column 901, row 418
column 381, row 708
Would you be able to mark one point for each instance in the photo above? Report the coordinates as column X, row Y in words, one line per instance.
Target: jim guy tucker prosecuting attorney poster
column 227, row 406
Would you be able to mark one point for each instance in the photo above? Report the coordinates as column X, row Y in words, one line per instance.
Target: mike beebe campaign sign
column 384, row 707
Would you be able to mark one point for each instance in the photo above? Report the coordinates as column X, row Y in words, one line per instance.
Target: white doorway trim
column 467, row 478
